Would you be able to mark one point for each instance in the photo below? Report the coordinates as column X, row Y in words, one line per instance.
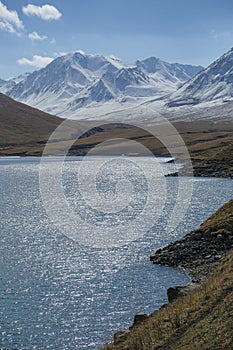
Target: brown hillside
column 20, row 124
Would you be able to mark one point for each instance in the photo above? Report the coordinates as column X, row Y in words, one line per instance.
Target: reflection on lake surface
column 58, row 294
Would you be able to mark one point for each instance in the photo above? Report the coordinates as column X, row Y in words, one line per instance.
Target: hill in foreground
column 21, row 124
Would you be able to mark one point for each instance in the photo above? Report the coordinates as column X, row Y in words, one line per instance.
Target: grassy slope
column 221, row 221
column 200, row 320
column 219, row 162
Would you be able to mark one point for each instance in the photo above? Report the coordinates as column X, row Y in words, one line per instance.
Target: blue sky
column 34, row 32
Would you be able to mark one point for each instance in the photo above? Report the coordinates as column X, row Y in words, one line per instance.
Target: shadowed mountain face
column 215, row 83
column 77, row 80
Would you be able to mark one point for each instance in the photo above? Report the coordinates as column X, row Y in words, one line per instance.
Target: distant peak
column 81, row 52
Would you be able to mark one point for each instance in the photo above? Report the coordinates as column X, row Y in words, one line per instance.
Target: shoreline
column 184, row 323
column 199, row 254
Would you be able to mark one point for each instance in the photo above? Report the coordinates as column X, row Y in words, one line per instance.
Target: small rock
column 178, row 291
column 138, row 319
column 207, row 231
column 217, row 257
column 208, row 256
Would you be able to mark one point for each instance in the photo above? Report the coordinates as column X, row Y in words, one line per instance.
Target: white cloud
column 37, row 61
column 9, row 20
column 46, row 12
column 6, row 26
column 35, row 36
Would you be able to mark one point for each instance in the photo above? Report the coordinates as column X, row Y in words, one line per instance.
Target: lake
column 60, row 291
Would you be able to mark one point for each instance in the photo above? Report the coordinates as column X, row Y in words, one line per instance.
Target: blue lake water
column 58, row 293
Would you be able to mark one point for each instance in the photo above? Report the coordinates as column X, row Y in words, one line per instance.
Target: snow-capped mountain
column 214, row 84
column 73, row 82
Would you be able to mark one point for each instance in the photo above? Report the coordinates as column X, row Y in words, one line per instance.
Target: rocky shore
column 198, row 253
column 198, row 316
column 213, row 169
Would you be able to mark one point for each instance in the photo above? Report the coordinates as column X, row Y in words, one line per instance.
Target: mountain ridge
column 78, row 80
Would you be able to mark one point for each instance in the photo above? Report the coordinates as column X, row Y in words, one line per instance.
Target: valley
column 27, row 134
column 69, row 82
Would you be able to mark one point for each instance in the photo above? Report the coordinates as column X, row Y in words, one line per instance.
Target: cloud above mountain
column 37, row 61
column 45, row 12
column 9, row 20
